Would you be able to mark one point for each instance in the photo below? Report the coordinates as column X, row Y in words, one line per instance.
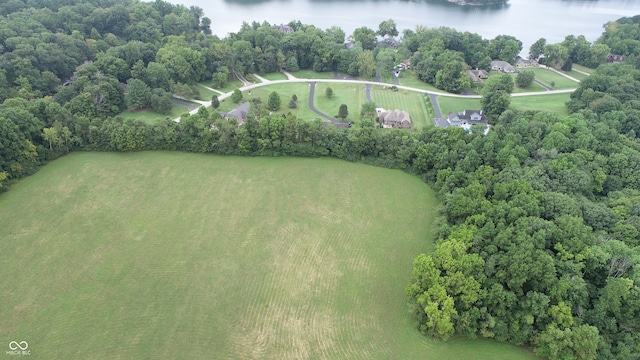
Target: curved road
column 312, row 90
column 364, row 82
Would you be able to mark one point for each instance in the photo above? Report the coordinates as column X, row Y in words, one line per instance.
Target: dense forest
column 539, row 238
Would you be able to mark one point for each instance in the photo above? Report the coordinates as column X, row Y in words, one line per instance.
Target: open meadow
column 166, row 255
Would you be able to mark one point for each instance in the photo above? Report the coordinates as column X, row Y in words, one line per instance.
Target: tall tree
column 273, row 103
column 366, row 63
column 138, row 94
column 343, row 112
column 387, row 28
column 537, row 48
column 366, row 37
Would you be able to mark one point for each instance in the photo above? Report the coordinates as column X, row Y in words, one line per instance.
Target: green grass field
column 353, row 95
column 582, row 68
column 554, row 103
column 206, row 94
column 576, row 75
column 452, row 104
column 418, row 105
column 151, row 117
column 310, row 74
column 286, row 90
column 408, row 78
column 166, row 255
column 531, row 88
column 548, row 76
column 274, row 76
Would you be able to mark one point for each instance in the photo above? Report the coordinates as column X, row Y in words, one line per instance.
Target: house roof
column 615, row 57
column 240, row 112
column 476, row 75
column 502, row 65
column 394, row 116
column 284, row 28
column 466, row 115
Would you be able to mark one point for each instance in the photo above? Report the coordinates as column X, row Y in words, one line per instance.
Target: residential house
column 284, row 28
column 613, row 58
column 388, row 41
column 503, row 66
column 522, row 63
column 477, row 75
column 239, row 113
column 349, row 44
column 394, row 118
column 404, row 65
column 467, row 118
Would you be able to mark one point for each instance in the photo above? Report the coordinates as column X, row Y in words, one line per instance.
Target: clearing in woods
column 166, row 255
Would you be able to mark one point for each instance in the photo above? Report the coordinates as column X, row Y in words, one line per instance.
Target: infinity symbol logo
column 22, row 345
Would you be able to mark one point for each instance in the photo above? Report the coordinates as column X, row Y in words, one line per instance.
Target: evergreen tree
column 215, row 103
column 274, row 101
column 343, row 112
column 138, row 94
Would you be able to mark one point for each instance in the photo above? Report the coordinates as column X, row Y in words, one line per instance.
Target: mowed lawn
column 417, row 104
column 152, row 117
column 455, row 104
column 548, row 76
column 286, row 91
column 353, row 95
column 553, row 102
column 166, row 255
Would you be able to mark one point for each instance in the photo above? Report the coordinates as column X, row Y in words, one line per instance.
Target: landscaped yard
column 453, row 104
column 417, row 104
column 166, row 255
column 548, row 77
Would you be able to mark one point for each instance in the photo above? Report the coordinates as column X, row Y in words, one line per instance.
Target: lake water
column 527, row 20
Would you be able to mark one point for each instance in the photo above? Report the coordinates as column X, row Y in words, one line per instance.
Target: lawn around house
column 173, row 255
column 454, row 104
column 417, row 104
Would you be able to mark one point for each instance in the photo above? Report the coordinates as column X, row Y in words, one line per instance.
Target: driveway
column 312, row 90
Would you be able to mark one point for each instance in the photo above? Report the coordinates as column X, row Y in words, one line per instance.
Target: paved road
column 549, row 88
column 291, row 78
column 184, row 104
column 368, row 92
column 312, row 90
